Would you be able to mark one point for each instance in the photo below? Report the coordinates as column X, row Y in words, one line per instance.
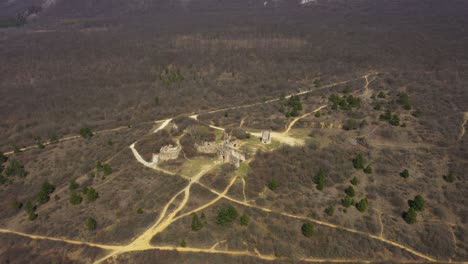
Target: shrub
column 350, row 191
column 418, row 203
column 196, row 224
column 91, row 194
column 381, row 95
column 75, row 199
column 404, row 173
column 15, row 168
column 307, row 229
column 183, row 243
column 358, row 162
column 403, row 100
column 273, row 185
column 3, row 158
column 226, row 215
column 355, row 181
column 91, row 224
column 410, row 217
column 105, row 168
column 368, row 169
column 139, row 211
column 43, row 195
column 346, row 102
column 86, row 133
column 330, row 210
column 320, row 179
column 347, row 201
column 244, row 219
column 449, row 177
column 394, row 120
column 351, row 124
column 362, row 205
column 30, row 210
column 73, row 185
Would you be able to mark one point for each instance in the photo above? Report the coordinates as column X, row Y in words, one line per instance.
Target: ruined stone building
column 230, row 155
column 266, row 136
column 207, row 147
column 169, row 152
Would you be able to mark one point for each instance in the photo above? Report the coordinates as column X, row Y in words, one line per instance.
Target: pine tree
column 196, row 224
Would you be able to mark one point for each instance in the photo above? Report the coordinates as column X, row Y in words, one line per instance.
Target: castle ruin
column 169, row 152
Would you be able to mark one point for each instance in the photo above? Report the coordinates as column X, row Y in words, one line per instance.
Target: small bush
column 418, row 203
column 273, row 185
column 404, row 173
column 75, row 199
column 73, row 185
column 91, row 194
column 449, row 178
column 350, row 191
column 354, row 181
column 410, row 217
column 330, row 211
column 308, row 229
column 244, row 220
column 196, row 224
column 86, row 133
column 362, row 205
column 368, row 169
column 358, row 162
column 91, row 224
column 320, row 179
column 347, row 201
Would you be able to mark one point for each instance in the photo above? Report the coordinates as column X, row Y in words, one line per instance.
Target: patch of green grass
column 243, row 169
column 194, row 166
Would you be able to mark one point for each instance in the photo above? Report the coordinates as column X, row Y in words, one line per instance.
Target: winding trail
column 401, row 246
column 143, row 242
column 301, row 117
column 69, row 241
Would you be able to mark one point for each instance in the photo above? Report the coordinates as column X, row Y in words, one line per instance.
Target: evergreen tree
column 307, row 229
column 196, row 224
column 418, row 203
column 320, row 179
column 347, row 201
column 362, row 205
column 244, row 219
column 358, row 162
column 350, row 191
column 91, row 224
column 410, row 217
column 227, row 215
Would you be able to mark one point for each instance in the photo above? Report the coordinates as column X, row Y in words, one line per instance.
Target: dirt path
column 195, row 116
column 301, row 117
column 401, row 246
column 143, row 242
column 66, row 139
column 68, row 241
column 217, row 244
column 163, row 125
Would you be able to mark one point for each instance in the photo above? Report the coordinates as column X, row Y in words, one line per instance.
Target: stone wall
column 207, row 147
column 169, row 152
